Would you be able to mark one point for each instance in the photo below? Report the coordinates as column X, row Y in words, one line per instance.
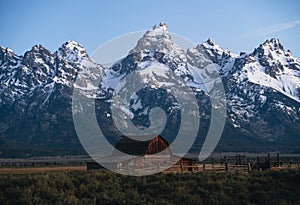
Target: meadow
column 105, row 187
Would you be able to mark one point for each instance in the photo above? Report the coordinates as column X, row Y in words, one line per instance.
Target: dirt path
column 30, row 170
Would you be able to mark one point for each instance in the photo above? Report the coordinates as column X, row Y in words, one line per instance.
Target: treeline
column 103, row 187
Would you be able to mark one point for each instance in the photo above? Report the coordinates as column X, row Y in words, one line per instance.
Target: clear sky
column 237, row 25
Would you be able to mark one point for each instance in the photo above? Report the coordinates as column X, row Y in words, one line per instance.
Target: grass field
column 73, row 185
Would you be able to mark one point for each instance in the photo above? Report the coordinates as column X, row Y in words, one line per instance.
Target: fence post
column 134, row 160
column 226, row 166
column 249, row 167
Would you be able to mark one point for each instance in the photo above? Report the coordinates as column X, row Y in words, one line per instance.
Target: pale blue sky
column 236, row 25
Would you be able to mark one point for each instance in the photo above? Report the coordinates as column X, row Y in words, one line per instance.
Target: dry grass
column 31, row 170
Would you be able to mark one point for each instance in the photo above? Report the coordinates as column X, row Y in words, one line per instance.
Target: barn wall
column 158, row 145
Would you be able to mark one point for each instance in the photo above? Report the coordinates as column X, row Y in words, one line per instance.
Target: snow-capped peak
column 6, row 54
column 272, row 51
column 210, row 42
column 37, row 55
column 38, row 48
column 210, row 52
column 6, row 50
column 270, row 46
column 271, row 66
column 72, row 45
column 159, row 30
column 72, row 51
column 273, row 44
column 215, row 48
column 158, row 39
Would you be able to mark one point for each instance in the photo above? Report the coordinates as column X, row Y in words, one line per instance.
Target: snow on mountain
column 72, row 51
column 262, row 91
column 248, row 78
column 36, row 92
column 262, row 87
column 209, row 53
column 268, row 65
column 158, row 39
column 32, row 70
column 43, row 70
column 281, row 70
column 74, row 60
column 8, row 57
column 271, row 66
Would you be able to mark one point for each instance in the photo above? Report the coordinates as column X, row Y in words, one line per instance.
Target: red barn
column 143, row 153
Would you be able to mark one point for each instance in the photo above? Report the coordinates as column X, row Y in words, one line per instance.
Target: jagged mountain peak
column 38, row 49
column 155, row 38
column 274, row 51
column 274, row 43
column 38, row 55
column 270, row 66
column 72, row 45
column 160, row 29
column 159, row 39
column 270, row 47
column 72, row 51
column 8, row 59
column 210, row 44
column 210, row 52
column 6, row 50
column 6, row 54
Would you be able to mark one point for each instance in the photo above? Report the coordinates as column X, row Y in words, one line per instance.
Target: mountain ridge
column 262, row 89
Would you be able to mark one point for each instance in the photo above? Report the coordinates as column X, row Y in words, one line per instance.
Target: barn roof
column 135, row 147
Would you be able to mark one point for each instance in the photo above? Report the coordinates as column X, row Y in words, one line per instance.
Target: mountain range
column 262, row 91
